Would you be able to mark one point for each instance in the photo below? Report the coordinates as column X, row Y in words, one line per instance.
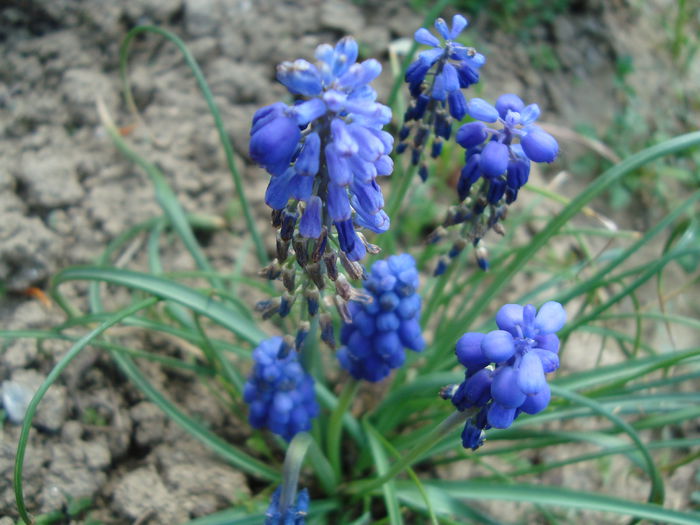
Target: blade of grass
column 50, row 380
column 227, row 451
column 382, row 466
column 213, row 109
column 169, row 290
column 548, row 496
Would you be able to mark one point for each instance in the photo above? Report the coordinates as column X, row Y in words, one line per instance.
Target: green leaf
column 168, row 290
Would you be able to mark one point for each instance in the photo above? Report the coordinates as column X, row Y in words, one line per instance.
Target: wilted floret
column 506, row 368
column 279, row 392
column 293, row 515
column 380, row 330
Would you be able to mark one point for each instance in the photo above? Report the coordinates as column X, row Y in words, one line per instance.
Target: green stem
column 293, row 461
column 213, row 109
column 335, row 426
column 427, row 442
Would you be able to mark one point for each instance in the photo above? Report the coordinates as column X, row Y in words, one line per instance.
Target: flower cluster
column 279, row 392
column 436, row 79
column 375, row 339
column 500, row 158
column 325, row 152
column 506, row 368
column 293, row 515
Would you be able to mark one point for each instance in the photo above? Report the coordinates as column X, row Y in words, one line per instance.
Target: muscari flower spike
column 506, row 368
column 279, row 392
column 501, row 155
column 500, row 146
column 325, row 152
column 436, row 79
column 375, row 339
column 293, row 515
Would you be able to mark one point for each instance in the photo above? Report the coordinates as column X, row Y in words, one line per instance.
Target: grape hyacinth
column 506, row 368
column 279, row 392
column 439, row 99
column 375, row 339
column 293, row 515
column 325, row 152
column 500, row 157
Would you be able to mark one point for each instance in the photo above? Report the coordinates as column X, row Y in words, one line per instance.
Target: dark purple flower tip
column 517, row 173
column 539, row 146
column 550, row 318
column 469, row 175
column 415, row 74
column 308, row 160
column 358, row 251
column 479, row 109
column 494, row 159
column 468, row 73
column 508, row 102
column 498, row 346
column 472, row 436
column 497, row 187
column 346, row 235
column 338, row 202
column 273, row 144
column 536, row 403
column 509, row 317
column 477, row 388
column 471, row 134
column 389, row 301
column 279, row 190
column 439, row 91
column 301, row 187
column 469, row 353
column 530, row 374
column 505, row 390
column 500, row 416
column 310, row 224
column 550, row 360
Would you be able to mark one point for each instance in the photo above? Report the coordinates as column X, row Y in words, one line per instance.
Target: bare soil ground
column 65, row 192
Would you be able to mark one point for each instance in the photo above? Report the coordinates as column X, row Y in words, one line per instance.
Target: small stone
column 50, row 178
column 142, row 493
column 201, row 17
column 51, row 412
column 342, row 16
column 149, row 422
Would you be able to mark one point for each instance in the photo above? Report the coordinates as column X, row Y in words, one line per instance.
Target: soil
column 65, row 192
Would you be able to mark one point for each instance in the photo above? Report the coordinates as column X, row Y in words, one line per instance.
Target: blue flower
column 502, row 155
column 293, row 515
column 435, row 80
column 374, row 341
column 506, row 368
column 325, row 151
column 280, row 394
